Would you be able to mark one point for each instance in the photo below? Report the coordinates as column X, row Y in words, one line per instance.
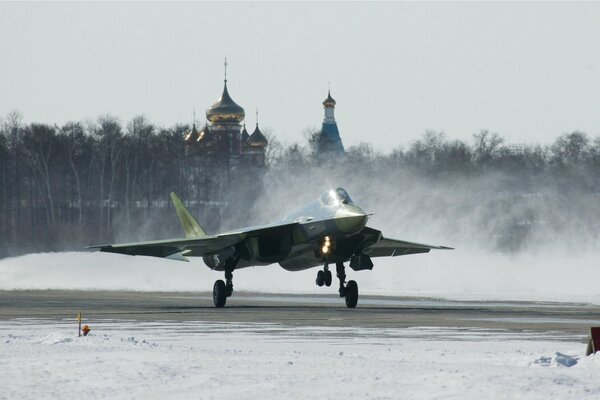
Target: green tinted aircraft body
column 329, row 230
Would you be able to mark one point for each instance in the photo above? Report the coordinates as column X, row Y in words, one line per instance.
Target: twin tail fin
column 191, row 228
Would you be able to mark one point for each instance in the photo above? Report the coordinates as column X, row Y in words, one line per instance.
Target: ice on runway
column 195, row 359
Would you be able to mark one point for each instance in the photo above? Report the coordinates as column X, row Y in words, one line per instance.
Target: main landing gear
column 223, row 290
column 347, row 290
column 350, row 289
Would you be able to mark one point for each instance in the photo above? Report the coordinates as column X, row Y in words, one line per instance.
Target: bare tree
column 4, row 201
column 109, row 136
column 424, row 153
column 360, row 155
column 274, row 148
column 486, row 146
column 312, row 136
column 136, row 157
column 293, row 156
column 74, row 150
column 571, row 149
column 13, row 124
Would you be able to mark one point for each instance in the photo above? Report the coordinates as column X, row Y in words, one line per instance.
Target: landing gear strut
column 348, row 290
column 324, row 277
column 223, row 290
column 229, row 282
column 341, row 274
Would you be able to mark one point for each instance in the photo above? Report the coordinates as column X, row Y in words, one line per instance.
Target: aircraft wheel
column 219, row 294
column 320, row 278
column 328, row 278
column 351, row 294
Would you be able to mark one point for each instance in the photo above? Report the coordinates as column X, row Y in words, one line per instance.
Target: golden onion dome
column 225, row 110
column 191, row 136
column 257, row 139
column 245, row 135
column 329, row 101
column 204, row 135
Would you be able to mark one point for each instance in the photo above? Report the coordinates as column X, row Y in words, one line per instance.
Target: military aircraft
column 329, row 230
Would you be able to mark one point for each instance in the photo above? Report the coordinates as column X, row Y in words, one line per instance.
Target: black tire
column 328, row 278
column 351, row 294
column 219, row 294
column 320, row 278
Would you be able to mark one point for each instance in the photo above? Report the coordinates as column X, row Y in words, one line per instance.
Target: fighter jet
column 329, row 230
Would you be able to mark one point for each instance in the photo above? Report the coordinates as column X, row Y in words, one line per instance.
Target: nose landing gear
column 324, row 277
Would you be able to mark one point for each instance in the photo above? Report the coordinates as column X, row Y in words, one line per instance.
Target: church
column 329, row 143
column 222, row 155
column 225, row 142
column 224, row 139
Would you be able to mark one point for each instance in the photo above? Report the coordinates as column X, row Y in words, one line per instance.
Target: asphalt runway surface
column 302, row 310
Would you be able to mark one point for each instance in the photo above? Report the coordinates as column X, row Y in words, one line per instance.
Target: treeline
column 63, row 187
column 434, row 154
column 67, row 186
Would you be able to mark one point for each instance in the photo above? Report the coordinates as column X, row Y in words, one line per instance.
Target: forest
column 65, row 187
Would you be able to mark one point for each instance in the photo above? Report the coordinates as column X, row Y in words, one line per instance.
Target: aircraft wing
column 178, row 249
column 391, row 247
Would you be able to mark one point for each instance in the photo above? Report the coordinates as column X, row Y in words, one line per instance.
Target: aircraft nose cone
column 351, row 219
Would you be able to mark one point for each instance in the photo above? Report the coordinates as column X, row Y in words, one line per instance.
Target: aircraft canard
column 329, row 230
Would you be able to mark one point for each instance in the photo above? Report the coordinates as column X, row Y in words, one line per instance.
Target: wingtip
column 92, row 247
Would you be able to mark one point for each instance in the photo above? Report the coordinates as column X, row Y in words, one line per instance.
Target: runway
column 177, row 345
column 568, row 319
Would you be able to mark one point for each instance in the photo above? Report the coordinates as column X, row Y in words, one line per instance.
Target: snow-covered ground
column 156, row 360
column 457, row 274
column 42, row 359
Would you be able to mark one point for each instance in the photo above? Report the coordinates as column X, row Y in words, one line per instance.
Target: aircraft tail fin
column 191, row 228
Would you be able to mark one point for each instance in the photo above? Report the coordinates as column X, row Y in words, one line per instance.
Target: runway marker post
column 79, row 319
column 594, row 341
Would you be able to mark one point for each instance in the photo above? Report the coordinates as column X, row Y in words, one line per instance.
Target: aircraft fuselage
column 328, row 231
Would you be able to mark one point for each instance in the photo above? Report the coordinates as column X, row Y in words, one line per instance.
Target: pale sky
column 527, row 71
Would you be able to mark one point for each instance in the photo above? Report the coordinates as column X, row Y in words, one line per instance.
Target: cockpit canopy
column 336, row 197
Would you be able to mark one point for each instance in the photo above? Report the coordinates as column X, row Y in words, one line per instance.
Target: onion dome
column 329, row 101
column 204, row 135
column 245, row 135
column 257, row 139
column 225, row 110
column 191, row 136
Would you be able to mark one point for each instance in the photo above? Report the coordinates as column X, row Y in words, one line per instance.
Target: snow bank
column 559, row 359
column 450, row 274
column 45, row 359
